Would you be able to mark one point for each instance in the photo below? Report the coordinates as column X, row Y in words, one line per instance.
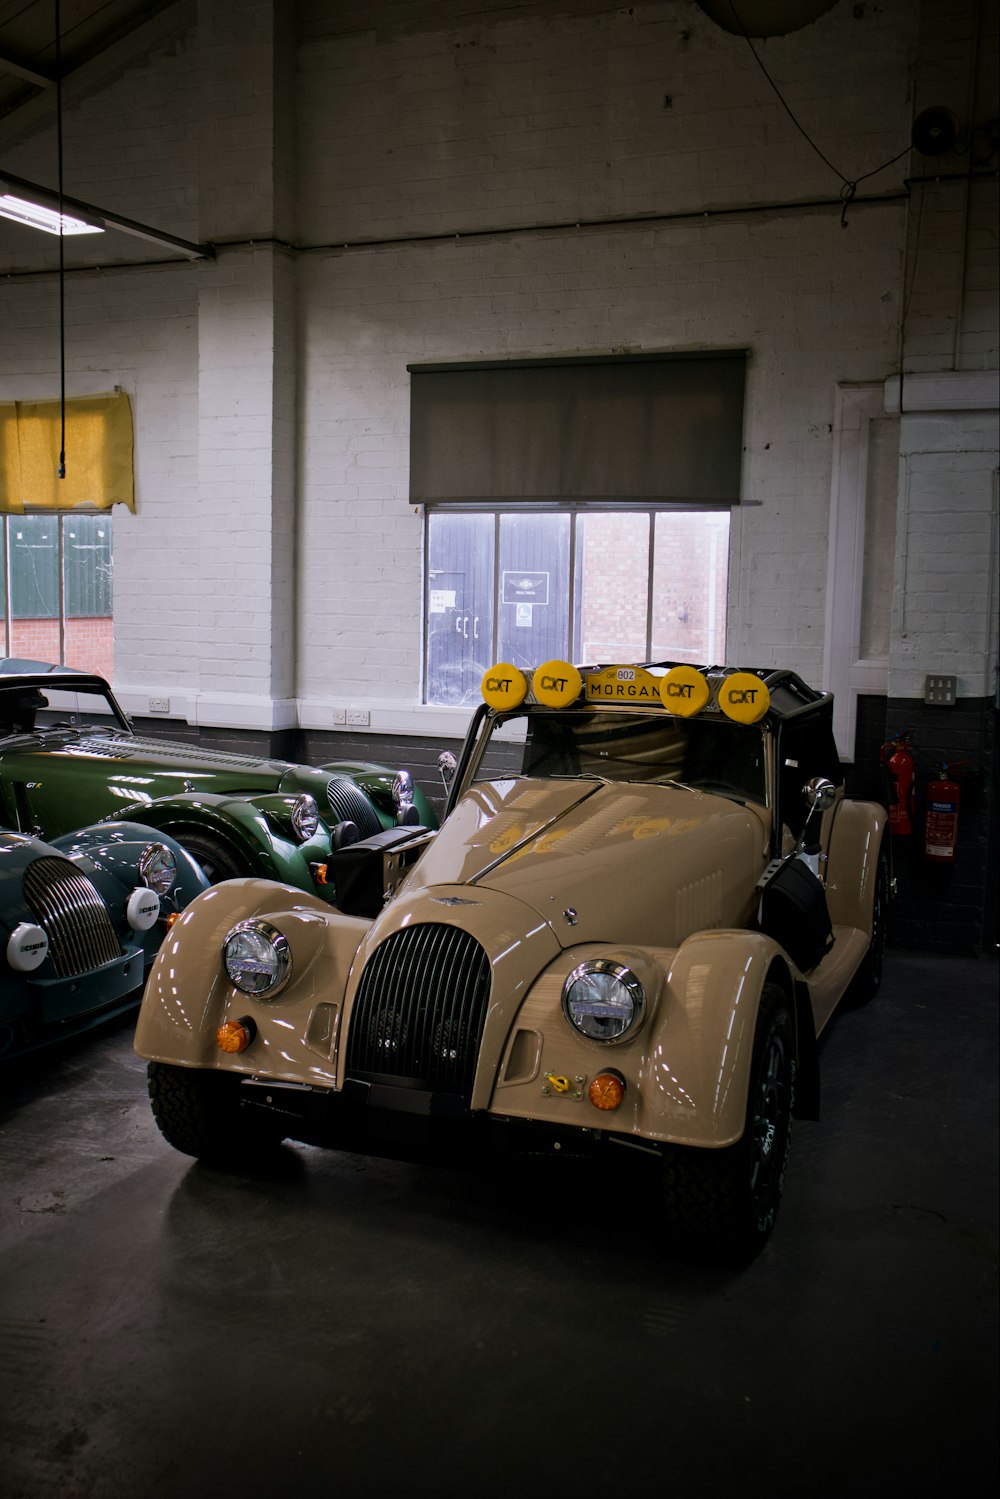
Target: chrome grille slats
column 449, row 1033
column 420, row 976
column 420, row 1009
column 349, row 804
column 69, row 909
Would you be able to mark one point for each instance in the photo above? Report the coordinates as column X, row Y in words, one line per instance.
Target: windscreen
column 24, row 710
column 707, row 754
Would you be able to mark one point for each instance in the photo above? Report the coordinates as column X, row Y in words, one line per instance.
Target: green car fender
column 256, row 832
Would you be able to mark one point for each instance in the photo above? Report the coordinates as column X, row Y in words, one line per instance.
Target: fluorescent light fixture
column 29, row 203
column 37, row 217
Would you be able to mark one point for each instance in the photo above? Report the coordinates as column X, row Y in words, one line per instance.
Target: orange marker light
column 607, row 1090
column 233, row 1036
column 174, row 916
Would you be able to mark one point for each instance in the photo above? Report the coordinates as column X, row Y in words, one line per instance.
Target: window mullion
column 8, row 609
column 60, row 563
column 574, row 644
column 650, row 555
column 495, row 621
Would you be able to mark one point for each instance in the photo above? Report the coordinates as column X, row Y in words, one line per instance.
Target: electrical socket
column 159, row 705
column 358, row 718
column 339, row 717
column 940, row 689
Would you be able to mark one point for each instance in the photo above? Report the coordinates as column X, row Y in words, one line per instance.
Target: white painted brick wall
column 944, row 605
column 784, row 288
column 554, row 119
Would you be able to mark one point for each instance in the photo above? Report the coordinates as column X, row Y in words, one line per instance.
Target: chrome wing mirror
column 447, row 765
column 819, row 794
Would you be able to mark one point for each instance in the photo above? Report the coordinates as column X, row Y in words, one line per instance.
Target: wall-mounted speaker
column 935, row 131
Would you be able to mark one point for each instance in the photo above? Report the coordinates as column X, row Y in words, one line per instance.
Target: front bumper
column 61, row 1001
column 411, row 1124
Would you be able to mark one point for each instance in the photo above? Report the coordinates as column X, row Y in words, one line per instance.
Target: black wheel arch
column 806, row 1045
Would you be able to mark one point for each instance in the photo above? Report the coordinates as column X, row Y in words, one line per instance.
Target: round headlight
column 305, row 816
column 402, row 790
column 603, row 1000
column 158, row 867
column 256, row 958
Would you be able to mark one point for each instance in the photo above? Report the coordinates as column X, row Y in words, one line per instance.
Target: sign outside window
column 525, row 588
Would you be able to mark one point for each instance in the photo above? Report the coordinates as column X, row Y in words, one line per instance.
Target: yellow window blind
column 99, row 470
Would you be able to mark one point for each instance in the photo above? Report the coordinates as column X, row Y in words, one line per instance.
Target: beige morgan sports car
column 646, row 900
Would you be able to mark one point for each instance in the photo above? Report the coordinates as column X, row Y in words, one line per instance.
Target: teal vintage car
column 81, row 919
column 69, row 756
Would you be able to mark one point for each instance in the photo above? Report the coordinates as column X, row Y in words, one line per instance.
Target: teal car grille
column 73, row 916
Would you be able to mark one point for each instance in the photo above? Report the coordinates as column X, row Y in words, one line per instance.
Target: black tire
column 722, row 1204
column 198, row 1113
column 218, row 859
column 868, row 980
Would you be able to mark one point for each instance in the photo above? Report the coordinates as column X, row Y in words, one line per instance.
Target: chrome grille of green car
column 73, row 916
column 420, row 1009
column 348, row 804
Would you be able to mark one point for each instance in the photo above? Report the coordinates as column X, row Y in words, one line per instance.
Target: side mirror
column 819, row 794
column 447, row 765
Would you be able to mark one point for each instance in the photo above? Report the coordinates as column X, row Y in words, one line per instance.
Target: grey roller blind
column 667, row 429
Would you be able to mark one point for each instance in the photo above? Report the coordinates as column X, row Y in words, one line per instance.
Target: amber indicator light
column 174, row 916
column 233, row 1036
column 607, row 1090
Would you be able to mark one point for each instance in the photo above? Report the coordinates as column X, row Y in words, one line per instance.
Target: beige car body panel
column 545, row 874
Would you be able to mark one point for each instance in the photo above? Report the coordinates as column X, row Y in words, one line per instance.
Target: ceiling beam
column 35, row 111
column 10, row 63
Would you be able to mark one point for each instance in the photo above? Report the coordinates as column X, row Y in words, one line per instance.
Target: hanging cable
column 61, row 470
column 848, row 185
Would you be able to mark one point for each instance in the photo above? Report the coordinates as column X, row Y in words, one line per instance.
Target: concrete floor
column 351, row 1327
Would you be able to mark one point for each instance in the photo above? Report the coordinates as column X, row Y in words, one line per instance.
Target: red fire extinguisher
column 941, row 821
column 899, row 764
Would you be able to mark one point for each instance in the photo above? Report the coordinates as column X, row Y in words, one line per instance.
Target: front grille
column 73, row 916
column 348, row 804
column 420, row 1009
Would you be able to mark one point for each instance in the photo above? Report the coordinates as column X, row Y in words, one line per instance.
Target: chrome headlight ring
column 402, row 792
column 603, row 1000
column 158, row 868
column 305, row 817
column 257, row 958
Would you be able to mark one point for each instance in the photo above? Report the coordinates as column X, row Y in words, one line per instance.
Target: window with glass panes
column 56, row 589
column 644, row 585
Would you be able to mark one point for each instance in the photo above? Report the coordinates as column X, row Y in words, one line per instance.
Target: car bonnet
column 172, row 767
column 632, row 863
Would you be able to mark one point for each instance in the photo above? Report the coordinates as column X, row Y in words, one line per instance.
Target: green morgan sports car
column 81, row 919
column 68, row 756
